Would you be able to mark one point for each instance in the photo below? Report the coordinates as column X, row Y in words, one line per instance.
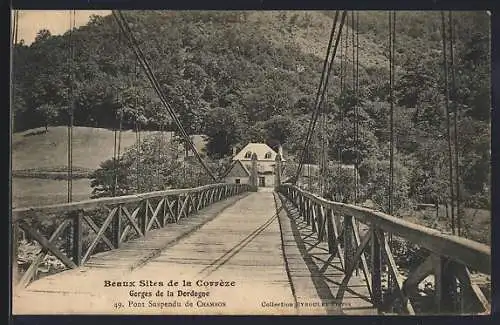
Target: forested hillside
column 250, row 76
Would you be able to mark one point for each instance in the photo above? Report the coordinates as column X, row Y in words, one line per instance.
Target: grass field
column 477, row 222
column 36, row 152
column 28, row 192
column 37, row 149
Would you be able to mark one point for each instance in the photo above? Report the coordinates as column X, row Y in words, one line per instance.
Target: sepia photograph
column 328, row 162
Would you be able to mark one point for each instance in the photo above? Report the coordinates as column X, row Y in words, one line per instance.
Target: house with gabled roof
column 240, row 170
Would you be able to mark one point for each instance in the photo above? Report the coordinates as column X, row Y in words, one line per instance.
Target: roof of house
column 232, row 169
column 262, row 150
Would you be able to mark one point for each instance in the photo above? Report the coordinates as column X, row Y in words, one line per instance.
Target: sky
column 56, row 21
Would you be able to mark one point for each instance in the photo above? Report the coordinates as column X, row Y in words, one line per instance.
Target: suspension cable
column 158, row 140
column 137, row 129
column 322, row 97
column 448, row 133
column 392, row 41
column 323, row 71
column 117, row 134
column 355, row 94
column 357, row 158
column 455, row 122
column 72, row 15
column 392, row 35
column 122, row 23
column 341, row 110
column 115, row 145
column 341, row 63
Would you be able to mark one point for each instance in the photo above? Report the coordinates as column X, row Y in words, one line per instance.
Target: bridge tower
column 253, row 172
column 278, row 169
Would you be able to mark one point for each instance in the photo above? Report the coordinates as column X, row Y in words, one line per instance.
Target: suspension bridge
column 240, row 248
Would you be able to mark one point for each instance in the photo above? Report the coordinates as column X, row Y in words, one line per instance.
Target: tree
column 103, row 179
column 152, row 166
column 339, row 184
column 223, row 129
column 42, row 35
column 48, row 114
column 374, row 179
column 279, row 128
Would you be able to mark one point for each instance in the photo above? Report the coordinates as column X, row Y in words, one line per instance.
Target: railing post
column 189, row 204
column 321, row 222
column 305, row 204
column 314, row 217
column 77, row 238
column 376, row 269
column 330, row 231
column 278, row 171
column 253, row 172
column 178, row 207
column 144, row 218
column 117, row 227
column 349, row 248
column 302, row 206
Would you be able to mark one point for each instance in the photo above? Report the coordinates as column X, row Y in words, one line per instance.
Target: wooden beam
column 393, row 268
column 48, row 245
column 100, row 234
column 352, row 265
column 77, row 238
column 376, row 262
column 30, row 272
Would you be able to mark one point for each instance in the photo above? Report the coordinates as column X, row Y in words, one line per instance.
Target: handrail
column 73, row 246
column 450, row 258
column 28, row 212
column 463, row 250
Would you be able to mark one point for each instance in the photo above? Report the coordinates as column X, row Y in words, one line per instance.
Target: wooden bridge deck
column 271, row 258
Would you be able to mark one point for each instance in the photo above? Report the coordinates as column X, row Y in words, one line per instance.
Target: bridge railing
column 70, row 233
column 450, row 259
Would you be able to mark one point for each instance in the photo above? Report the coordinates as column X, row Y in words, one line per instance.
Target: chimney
column 280, row 151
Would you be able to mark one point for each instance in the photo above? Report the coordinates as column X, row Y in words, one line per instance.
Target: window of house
column 248, row 154
column 268, row 155
column 237, row 181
